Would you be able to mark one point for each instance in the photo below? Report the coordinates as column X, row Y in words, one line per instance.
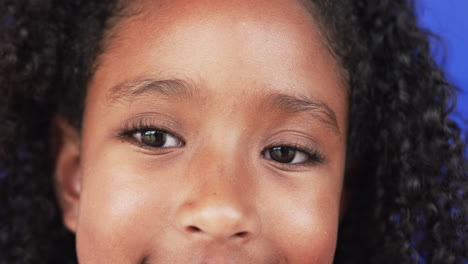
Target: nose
column 218, row 210
column 217, row 219
column 219, row 198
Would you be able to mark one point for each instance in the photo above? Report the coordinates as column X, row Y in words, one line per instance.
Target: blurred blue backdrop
column 449, row 20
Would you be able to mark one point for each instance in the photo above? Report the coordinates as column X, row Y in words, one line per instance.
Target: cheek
column 121, row 210
column 304, row 223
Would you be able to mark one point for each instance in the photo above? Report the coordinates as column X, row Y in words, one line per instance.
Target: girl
column 215, row 131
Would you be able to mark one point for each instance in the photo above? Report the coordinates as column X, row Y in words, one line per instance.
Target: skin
column 214, row 195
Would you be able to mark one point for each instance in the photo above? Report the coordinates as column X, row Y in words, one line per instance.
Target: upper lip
column 217, row 260
column 216, row 257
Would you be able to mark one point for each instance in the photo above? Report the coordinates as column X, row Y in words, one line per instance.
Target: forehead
column 234, row 11
column 232, row 46
column 248, row 30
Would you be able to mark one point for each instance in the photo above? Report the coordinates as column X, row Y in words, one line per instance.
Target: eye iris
column 153, row 138
column 282, row 154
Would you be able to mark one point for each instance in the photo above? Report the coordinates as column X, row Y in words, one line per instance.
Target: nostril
column 241, row 234
column 193, row 229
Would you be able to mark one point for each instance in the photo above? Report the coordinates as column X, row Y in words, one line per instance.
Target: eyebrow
column 184, row 89
column 297, row 104
column 169, row 87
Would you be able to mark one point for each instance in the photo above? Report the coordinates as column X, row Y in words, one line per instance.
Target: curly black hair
column 410, row 203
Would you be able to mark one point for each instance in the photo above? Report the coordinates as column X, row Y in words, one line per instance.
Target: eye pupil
column 282, row 154
column 153, row 138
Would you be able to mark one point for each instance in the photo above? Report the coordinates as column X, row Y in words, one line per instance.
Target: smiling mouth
column 213, row 254
column 146, row 260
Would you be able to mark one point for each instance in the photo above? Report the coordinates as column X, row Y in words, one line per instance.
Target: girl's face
column 214, row 132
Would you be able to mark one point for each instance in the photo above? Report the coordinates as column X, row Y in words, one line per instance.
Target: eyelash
column 140, row 125
column 314, row 156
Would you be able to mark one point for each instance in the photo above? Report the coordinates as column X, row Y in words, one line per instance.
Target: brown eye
column 157, row 139
column 283, row 154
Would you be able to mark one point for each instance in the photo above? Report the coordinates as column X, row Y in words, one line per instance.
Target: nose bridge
column 220, row 204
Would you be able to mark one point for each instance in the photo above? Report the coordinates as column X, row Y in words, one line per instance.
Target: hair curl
column 410, row 205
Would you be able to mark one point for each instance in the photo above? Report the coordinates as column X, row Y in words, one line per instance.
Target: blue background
column 449, row 20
